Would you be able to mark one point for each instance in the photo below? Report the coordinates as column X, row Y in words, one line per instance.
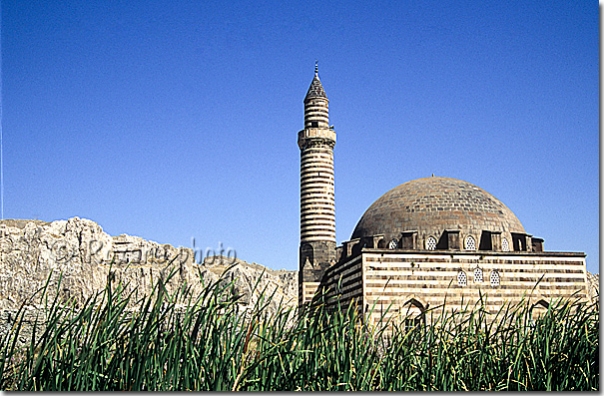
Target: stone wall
column 383, row 281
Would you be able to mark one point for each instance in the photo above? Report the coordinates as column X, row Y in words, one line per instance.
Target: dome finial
column 316, row 68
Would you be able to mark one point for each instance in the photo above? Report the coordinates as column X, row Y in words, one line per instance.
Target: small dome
column 434, row 204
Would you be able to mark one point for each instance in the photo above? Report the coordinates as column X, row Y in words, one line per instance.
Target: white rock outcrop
column 83, row 257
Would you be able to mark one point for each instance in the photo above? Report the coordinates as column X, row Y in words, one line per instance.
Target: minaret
column 317, row 200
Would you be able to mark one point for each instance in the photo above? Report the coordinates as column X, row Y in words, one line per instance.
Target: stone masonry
column 317, row 198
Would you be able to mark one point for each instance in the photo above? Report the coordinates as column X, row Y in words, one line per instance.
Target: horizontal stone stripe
column 345, row 273
column 323, row 120
column 317, row 116
column 454, row 288
column 317, row 154
column 433, row 262
column 321, row 210
column 486, row 256
column 503, row 280
column 319, row 235
column 322, row 217
column 326, row 219
column 317, row 182
column 428, row 293
column 317, row 173
column 451, row 300
column 344, row 270
column 319, row 205
column 323, row 107
column 321, row 214
column 319, row 238
column 528, row 267
column 346, row 295
column 316, row 189
column 344, row 301
column 430, row 275
column 352, row 276
column 317, row 176
column 322, row 155
column 343, row 280
column 323, row 189
column 313, row 154
column 326, row 214
column 446, row 272
column 468, row 302
column 309, row 226
column 316, row 113
column 320, row 150
column 316, row 108
column 346, row 286
column 310, row 163
column 323, row 197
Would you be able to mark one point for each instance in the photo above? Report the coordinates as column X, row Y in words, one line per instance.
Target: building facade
column 425, row 244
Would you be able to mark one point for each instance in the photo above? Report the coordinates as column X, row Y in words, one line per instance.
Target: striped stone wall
column 398, row 283
column 317, row 192
column 346, row 281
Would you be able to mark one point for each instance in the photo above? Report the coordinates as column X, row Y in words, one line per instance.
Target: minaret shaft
column 317, row 193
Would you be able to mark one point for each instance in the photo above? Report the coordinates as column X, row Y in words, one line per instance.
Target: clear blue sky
column 178, row 119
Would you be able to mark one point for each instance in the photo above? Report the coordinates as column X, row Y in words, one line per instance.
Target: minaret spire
column 317, row 68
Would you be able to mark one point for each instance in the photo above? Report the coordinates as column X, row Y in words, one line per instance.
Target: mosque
column 420, row 244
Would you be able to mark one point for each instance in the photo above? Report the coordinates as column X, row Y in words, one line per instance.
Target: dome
column 432, row 205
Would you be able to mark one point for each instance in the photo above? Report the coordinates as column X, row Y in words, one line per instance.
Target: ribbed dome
column 434, row 204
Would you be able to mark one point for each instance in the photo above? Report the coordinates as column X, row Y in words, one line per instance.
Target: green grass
column 206, row 342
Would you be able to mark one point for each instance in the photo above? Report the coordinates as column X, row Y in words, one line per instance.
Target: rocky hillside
column 80, row 253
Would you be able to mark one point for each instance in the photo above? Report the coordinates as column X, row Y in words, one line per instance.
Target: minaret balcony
column 319, row 133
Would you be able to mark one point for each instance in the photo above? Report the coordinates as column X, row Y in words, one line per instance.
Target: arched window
column 414, row 316
column 478, row 275
column 505, row 245
column 470, row 243
column 307, row 254
column 462, row 279
column 494, row 278
column 538, row 309
column 430, row 243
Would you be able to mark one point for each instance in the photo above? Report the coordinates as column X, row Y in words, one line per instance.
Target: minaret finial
column 317, row 68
